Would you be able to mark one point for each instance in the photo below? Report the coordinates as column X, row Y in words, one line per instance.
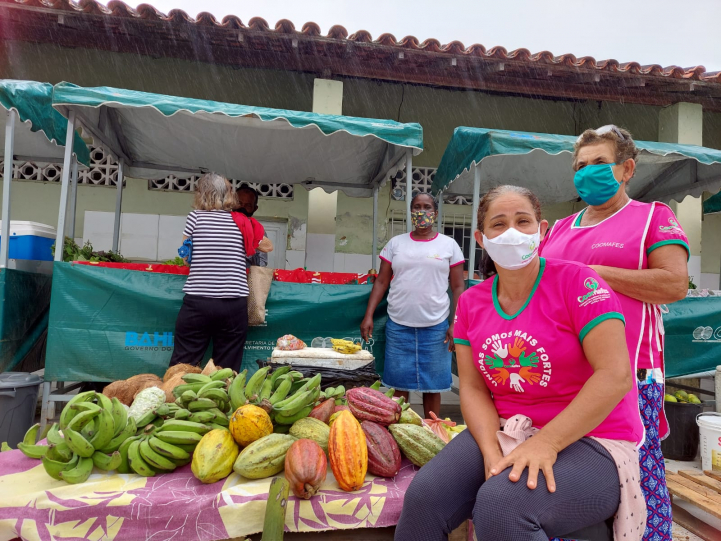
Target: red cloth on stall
column 144, row 267
column 252, row 232
column 301, row 276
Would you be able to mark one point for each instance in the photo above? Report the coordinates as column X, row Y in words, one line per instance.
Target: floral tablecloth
column 111, row 506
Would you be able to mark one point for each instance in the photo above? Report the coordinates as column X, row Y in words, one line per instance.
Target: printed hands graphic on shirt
column 517, row 347
column 516, row 381
column 501, row 376
column 499, row 349
column 531, row 360
column 530, row 376
column 494, row 362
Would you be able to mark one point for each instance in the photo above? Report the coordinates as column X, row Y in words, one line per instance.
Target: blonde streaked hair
column 625, row 148
column 214, row 192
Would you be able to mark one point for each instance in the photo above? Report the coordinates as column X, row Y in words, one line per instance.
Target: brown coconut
column 180, row 369
column 120, row 390
column 171, row 384
column 209, row 368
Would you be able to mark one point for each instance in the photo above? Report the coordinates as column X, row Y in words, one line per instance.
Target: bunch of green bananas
column 161, row 449
column 337, row 393
column 297, row 403
column 91, row 430
column 345, row 346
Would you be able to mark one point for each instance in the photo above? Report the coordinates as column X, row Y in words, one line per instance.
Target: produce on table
column 214, row 456
column 682, row 397
column 417, row 444
column 274, row 520
column 126, row 390
column 145, row 402
column 73, row 252
column 289, row 343
column 348, row 452
column 249, row 423
column 264, row 457
column 181, row 369
column 345, row 346
column 312, row 429
column 212, row 414
column 323, row 411
column 384, row 456
column 371, row 405
column 305, row 468
column 410, row 417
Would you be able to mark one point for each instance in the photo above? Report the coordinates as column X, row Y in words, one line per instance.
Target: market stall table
column 176, row 505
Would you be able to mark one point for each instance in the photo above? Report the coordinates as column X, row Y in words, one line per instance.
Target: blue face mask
column 596, row 184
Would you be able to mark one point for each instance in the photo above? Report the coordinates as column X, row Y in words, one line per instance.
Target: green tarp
column 712, row 204
column 33, row 103
column 542, row 162
column 24, row 302
column 109, row 324
column 157, row 133
column 693, row 336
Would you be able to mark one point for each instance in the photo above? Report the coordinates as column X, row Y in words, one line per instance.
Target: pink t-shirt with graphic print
column 533, row 361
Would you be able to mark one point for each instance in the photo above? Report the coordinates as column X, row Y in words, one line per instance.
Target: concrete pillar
column 322, row 206
column 683, row 123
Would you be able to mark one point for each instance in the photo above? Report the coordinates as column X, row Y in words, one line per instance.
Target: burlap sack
column 259, row 281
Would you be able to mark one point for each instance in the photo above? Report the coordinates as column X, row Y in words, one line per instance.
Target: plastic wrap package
column 289, row 343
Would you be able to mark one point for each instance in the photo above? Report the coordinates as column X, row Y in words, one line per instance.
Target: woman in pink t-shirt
column 541, row 352
column 641, row 252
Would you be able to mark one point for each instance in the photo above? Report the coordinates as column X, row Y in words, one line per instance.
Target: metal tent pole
column 374, row 250
column 73, row 198
column 440, row 212
column 474, row 220
column 409, row 188
column 7, row 182
column 67, row 165
column 118, row 206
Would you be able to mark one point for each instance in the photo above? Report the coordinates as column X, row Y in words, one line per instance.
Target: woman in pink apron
column 640, row 250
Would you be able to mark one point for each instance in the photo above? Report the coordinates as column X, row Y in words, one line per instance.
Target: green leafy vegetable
column 73, row 252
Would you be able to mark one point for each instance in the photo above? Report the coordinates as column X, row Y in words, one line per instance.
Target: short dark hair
column 433, row 199
column 249, row 189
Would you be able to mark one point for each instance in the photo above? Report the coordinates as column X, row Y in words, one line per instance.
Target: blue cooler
column 30, row 240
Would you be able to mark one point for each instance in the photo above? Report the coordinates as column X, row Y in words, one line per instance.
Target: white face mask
column 512, row 249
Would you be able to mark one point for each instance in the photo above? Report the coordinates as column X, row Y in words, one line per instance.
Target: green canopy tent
column 153, row 134
column 34, row 131
column 478, row 159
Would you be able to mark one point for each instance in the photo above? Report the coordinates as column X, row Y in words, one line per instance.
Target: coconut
column 142, row 384
column 171, row 384
column 180, row 369
column 120, row 390
column 209, row 368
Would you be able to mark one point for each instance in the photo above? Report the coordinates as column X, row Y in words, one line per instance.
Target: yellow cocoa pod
column 214, row 456
column 249, row 423
column 348, row 452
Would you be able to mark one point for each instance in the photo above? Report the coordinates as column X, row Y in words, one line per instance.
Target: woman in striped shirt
column 215, row 305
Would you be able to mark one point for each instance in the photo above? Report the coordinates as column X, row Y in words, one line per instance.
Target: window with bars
column 456, row 226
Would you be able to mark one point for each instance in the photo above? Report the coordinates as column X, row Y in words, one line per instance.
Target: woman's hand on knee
column 534, row 454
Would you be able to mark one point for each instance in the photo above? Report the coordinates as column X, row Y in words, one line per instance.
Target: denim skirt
column 417, row 359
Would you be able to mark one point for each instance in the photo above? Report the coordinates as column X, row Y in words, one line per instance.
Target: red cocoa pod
column 305, row 468
column 343, row 407
column 323, row 411
column 370, row 405
column 384, row 455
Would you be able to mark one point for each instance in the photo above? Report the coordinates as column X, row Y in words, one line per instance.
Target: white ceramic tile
column 339, row 262
column 320, row 249
column 295, row 259
column 139, row 236
column 170, row 236
column 360, row 263
column 709, row 281
column 98, row 229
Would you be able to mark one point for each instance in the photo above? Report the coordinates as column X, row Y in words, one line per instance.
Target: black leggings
column 203, row 318
column 452, row 488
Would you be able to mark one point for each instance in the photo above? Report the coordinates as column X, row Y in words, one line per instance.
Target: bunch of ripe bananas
column 345, row 346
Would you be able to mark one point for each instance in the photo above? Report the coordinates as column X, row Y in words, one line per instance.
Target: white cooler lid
column 21, row 228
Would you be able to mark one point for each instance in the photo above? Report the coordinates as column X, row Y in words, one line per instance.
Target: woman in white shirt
column 419, row 332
